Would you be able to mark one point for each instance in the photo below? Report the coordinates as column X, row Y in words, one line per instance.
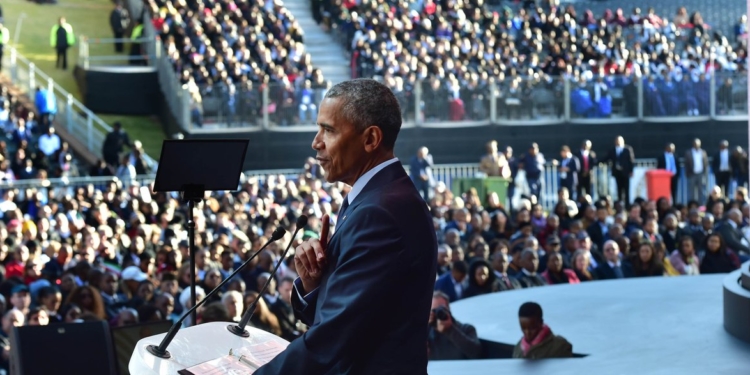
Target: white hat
column 134, row 273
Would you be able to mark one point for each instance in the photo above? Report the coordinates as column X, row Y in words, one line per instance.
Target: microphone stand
column 161, row 350
column 239, row 329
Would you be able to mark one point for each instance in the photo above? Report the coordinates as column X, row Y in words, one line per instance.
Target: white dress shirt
column 724, row 160
column 697, row 160
column 357, row 188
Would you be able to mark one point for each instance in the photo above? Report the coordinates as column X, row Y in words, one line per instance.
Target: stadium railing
column 602, row 182
column 504, row 101
column 78, row 120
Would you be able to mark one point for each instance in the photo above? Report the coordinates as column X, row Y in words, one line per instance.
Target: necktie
column 344, row 206
column 585, row 162
column 507, row 282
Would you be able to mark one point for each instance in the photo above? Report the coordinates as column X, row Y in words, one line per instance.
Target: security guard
column 136, row 49
column 61, row 38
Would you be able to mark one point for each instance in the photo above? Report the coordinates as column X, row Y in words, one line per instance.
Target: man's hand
column 444, row 325
column 310, row 258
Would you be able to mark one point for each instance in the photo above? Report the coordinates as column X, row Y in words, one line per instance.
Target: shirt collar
column 613, row 265
column 365, row 178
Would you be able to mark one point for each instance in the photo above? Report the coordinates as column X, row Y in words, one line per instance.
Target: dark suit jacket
column 670, row 242
column 596, row 233
column 592, row 162
column 605, row 272
column 571, row 178
column 661, row 163
column 716, row 162
column 732, row 237
column 384, row 249
column 623, row 164
column 530, row 281
column 445, row 284
column 502, row 286
column 417, row 167
column 689, row 162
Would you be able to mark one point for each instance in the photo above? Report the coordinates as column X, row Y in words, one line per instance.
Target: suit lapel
column 382, row 178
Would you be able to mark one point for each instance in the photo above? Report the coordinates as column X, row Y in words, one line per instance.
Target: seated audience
column 556, row 274
column 612, row 268
column 500, row 269
column 481, row 279
column 684, row 259
column 582, row 266
column 528, row 277
column 538, row 341
column 452, row 284
column 646, row 262
column 448, row 339
column 716, row 258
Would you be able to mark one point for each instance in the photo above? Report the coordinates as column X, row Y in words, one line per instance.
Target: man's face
column 601, row 214
column 227, row 262
column 530, row 327
column 109, row 284
column 169, row 286
column 444, row 257
column 21, row 300
column 338, row 144
column 285, row 291
column 619, row 141
column 585, row 243
column 459, row 276
column 500, row 263
column 611, row 252
column 165, row 304
column 531, row 262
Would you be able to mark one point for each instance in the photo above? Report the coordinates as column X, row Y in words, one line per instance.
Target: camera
column 441, row 313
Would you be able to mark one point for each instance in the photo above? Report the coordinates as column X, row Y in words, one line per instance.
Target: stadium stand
column 459, row 51
column 226, row 52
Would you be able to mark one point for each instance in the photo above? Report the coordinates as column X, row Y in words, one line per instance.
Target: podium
column 192, row 346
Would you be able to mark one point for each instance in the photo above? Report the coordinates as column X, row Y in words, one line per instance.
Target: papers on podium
column 207, row 344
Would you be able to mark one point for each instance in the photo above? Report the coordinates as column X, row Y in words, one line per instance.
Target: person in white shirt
column 696, row 170
column 49, row 142
column 722, row 167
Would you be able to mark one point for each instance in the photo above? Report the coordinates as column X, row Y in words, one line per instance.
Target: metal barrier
column 602, row 181
column 71, row 114
column 85, row 59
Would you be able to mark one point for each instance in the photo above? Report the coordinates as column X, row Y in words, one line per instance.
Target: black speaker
column 72, row 348
column 125, row 338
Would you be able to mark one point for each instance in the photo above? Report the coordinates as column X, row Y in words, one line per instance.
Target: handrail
column 73, row 115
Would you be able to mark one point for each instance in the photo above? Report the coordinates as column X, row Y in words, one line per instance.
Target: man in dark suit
column 668, row 161
column 500, row 265
column 528, row 277
column 722, row 167
column 672, row 233
column 598, row 230
column 568, row 169
column 613, row 268
column 452, row 283
column 730, row 232
column 282, row 308
column 420, row 170
column 384, row 249
column 622, row 160
column 696, row 171
column 587, row 158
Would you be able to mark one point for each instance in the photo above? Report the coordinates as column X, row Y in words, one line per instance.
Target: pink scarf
column 525, row 345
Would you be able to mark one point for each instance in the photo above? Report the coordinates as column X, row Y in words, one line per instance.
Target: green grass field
column 89, row 18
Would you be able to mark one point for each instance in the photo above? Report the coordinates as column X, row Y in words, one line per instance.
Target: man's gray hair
column 439, row 294
column 365, row 103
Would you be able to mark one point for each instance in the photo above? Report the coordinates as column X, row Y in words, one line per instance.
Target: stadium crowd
column 460, row 51
column 119, row 252
column 226, row 51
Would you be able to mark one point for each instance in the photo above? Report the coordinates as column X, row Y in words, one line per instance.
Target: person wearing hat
column 20, row 298
column 132, row 276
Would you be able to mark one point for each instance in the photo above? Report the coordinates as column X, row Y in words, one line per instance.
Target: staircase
column 327, row 53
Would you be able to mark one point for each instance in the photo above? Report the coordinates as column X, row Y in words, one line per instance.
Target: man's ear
column 372, row 137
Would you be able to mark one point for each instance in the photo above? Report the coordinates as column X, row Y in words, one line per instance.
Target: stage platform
column 668, row 325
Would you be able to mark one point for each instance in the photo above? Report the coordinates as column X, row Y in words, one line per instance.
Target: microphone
column 161, row 350
column 239, row 329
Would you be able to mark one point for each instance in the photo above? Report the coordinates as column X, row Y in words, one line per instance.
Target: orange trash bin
column 658, row 184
